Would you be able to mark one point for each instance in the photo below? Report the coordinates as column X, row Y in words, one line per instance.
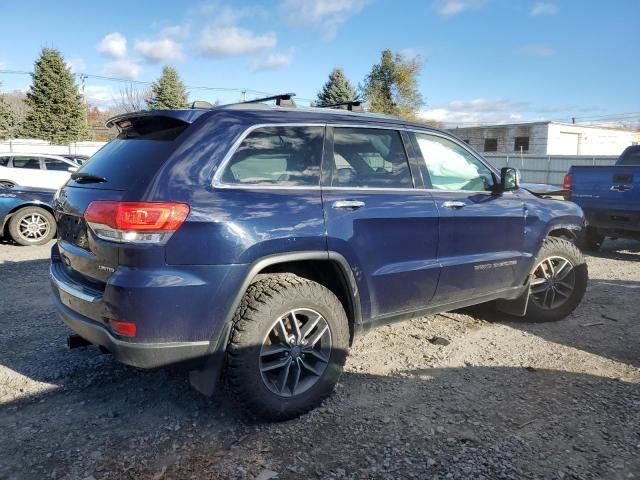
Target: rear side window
column 58, row 165
column 367, row 157
column 4, row 161
column 281, row 156
column 32, row 163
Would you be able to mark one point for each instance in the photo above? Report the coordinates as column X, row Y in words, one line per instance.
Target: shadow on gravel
column 606, row 330
column 480, row 422
column 619, row 250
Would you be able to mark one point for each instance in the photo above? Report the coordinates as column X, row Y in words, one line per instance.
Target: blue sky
column 483, row 60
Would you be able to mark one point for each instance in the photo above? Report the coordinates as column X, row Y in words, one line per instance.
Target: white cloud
column 125, row 68
column 450, row 8
column 274, row 61
column 328, row 14
column 538, row 50
column 176, row 31
column 114, row 45
column 99, row 95
column 233, row 41
column 77, row 65
column 478, row 111
column 544, row 9
column 160, row 50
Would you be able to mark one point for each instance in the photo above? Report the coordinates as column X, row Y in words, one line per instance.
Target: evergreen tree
column 337, row 89
column 8, row 120
column 392, row 86
column 57, row 112
column 168, row 91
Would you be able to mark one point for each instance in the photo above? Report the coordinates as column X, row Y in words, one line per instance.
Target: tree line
column 54, row 109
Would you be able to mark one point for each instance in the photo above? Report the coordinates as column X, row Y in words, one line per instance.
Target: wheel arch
column 17, row 208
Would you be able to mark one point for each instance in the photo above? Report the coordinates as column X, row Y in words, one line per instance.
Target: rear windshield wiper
column 87, row 178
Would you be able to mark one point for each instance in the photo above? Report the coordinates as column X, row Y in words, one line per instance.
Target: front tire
column 559, row 281
column 288, row 346
column 32, row 226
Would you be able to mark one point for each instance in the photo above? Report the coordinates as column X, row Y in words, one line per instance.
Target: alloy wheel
column 553, row 282
column 295, row 353
column 33, row 227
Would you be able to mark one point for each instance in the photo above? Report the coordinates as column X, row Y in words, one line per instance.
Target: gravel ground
column 458, row 395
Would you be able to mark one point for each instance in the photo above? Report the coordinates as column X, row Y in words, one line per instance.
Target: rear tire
column 32, row 226
column 558, row 283
column 275, row 364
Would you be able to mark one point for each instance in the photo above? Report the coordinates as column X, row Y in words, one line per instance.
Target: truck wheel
column 288, row 345
column 32, row 226
column 592, row 240
column 559, row 280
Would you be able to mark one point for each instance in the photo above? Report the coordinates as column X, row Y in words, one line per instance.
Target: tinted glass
column 32, row 163
column 631, row 156
column 366, row 157
column 287, row 156
column 4, row 161
column 452, row 167
column 58, row 165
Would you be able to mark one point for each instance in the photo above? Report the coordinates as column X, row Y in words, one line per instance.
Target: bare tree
column 131, row 99
column 16, row 100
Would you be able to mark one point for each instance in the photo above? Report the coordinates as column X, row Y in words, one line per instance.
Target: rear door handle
column 453, row 204
column 348, row 204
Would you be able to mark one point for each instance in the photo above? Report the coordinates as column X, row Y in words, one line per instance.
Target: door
column 28, row 171
column 481, row 239
column 57, row 171
column 385, row 228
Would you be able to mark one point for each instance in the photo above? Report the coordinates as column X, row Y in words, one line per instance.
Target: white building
column 548, row 138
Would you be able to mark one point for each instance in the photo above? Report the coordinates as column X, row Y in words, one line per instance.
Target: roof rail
column 282, row 100
column 352, row 105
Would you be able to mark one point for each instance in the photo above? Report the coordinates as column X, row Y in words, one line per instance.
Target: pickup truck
column 609, row 197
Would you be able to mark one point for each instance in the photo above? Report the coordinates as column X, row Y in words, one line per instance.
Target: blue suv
column 263, row 239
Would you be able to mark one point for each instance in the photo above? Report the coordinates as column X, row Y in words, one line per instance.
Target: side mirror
column 509, row 179
column 72, row 169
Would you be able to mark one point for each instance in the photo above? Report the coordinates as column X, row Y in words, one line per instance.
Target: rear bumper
column 143, row 355
column 613, row 220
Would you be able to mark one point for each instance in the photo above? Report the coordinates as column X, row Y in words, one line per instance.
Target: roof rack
column 352, row 105
column 282, row 100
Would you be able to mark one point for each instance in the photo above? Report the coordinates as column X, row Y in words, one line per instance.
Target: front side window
column 58, row 165
column 369, row 158
column 279, row 156
column 32, row 163
column 452, row 167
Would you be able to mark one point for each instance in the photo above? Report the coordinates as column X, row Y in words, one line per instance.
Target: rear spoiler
column 186, row 116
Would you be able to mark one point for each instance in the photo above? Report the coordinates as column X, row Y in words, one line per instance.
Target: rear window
column 136, row 154
column 631, row 156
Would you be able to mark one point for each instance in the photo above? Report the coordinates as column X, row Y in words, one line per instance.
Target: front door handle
column 348, row 204
column 453, row 204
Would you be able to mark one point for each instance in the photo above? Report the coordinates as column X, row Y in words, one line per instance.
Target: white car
column 37, row 170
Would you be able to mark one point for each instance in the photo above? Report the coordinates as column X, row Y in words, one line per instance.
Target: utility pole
column 83, row 79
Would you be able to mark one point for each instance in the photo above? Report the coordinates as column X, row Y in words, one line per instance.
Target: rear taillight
column 135, row 222
column 566, row 186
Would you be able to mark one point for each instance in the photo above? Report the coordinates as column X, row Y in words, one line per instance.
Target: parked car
column 35, row 169
column 26, row 214
column 265, row 239
column 76, row 158
column 610, row 197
